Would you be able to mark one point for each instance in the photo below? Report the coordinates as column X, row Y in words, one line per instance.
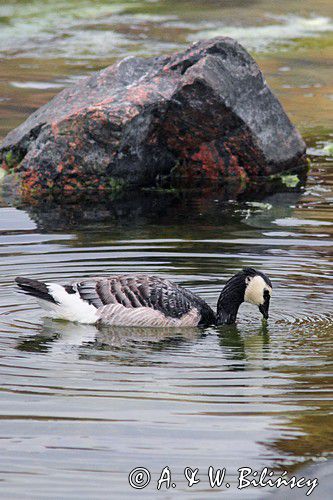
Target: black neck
column 226, row 313
column 229, row 301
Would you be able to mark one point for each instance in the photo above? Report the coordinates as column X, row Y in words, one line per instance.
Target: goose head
column 249, row 286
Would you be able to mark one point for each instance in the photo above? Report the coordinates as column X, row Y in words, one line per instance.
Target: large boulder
column 190, row 119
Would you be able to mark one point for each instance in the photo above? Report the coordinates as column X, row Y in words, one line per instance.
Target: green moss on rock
column 117, row 185
column 9, row 159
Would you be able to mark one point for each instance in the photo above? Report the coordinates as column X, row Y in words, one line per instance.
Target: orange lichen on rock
column 210, row 161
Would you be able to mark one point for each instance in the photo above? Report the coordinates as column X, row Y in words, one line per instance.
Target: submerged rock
column 191, row 119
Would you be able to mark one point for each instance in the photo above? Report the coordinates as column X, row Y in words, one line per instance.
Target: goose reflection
column 57, row 336
column 239, row 342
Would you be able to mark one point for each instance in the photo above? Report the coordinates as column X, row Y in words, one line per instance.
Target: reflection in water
column 234, row 344
column 307, row 433
column 150, row 206
column 86, row 341
column 58, row 335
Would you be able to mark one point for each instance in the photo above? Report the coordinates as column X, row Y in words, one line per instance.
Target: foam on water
column 278, row 31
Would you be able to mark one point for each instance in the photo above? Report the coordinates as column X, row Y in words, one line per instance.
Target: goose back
column 142, row 300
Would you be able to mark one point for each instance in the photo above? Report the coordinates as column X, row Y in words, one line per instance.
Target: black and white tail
column 35, row 288
column 59, row 301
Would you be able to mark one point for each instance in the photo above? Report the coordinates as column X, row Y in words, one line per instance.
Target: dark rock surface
column 191, row 119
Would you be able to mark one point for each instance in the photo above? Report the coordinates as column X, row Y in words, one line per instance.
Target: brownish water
column 80, row 408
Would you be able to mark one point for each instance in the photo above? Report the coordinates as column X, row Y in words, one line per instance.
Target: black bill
column 263, row 308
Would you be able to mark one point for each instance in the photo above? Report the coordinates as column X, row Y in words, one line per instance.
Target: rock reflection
column 160, row 206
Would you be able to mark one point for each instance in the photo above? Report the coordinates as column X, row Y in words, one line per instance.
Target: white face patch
column 254, row 292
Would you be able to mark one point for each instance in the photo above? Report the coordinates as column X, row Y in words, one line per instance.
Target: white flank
column 70, row 306
column 254, row 293
column 119, row 315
